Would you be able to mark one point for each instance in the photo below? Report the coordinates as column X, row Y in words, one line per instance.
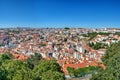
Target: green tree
column 71, row 71
column 94, row 34
column 44, row 66
column 11, row 69
column 112, row 61
column 3, row 73
column 15, row 70
column 52, row 75
column 80, row 72
column 34, row 60
column 4, row 57
column 66, row 28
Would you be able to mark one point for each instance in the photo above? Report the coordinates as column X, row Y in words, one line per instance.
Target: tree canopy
column 48, row 67
column 34, row 60
column 16, row 70
column 94, row 34
column 98, row 45
column 112, row 61
column 12, row 69
column 66, row 28
column 80, row 72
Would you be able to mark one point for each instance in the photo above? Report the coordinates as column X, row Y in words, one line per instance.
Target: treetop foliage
column 112, row 62
column 11, row 69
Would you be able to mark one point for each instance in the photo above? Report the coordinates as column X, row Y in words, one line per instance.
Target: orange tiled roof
column 93, row 63
column 20, row 56
column 103, row 66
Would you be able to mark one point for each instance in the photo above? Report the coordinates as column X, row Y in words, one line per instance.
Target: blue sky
column 60, row 13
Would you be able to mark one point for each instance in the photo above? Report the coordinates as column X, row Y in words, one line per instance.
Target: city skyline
column 60, row 13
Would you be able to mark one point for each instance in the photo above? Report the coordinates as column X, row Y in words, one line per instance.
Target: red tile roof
column 20, row 56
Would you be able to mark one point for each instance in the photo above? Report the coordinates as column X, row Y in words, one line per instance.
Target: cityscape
column 74, row 48
column 59, row 40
